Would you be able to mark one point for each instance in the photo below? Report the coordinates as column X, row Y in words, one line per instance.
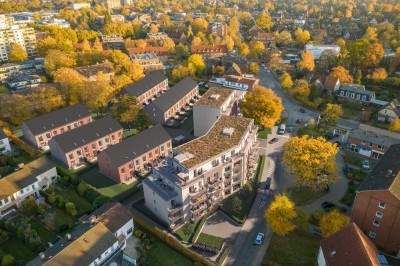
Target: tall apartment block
column 203, row 171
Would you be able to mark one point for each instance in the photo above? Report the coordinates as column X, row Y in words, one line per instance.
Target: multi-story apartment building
column 377, row 203
column 82, row 144
column 40, row 130
column 31, row 67
column 369, row 144
column 235, row 82
column 148, row 88
column 23, row 82
column 219, row 29
column 203, row 172
column 28, row 181
column 212, row 105
column 320, row 49
column 157, row 35
column 149, row 61
column 209, row 50
column 19, row 34
column 5, row 146
column 124, row 161
column 113, row 42
column 161, row 52
column 173, row 101
column 77, row 6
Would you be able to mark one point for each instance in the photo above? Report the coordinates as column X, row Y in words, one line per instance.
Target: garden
column 301, row 195
column 210, row 241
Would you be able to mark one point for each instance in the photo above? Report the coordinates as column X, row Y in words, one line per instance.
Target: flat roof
column 374, row 138
column 215, row 97
column 215, row 142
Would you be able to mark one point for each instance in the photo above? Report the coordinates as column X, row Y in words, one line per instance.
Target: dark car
column 327, row 205
column 329, row 136
column 302, row 110
column 268, row 183
column 273, row 140
column 299, row 120
column 346, row 169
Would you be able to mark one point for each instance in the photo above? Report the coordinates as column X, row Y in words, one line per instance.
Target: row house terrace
column 75, row 147
column 40, row 130
column 203, row 172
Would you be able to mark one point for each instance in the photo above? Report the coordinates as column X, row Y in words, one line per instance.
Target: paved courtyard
column 222, row 226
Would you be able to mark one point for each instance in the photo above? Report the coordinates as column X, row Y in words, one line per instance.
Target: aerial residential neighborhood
column 215, row 133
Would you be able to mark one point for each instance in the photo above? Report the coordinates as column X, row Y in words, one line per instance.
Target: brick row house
column 40, row 130
column 73, row 148
column 174, row 100
column 148, row 88
column 122, row 162
column 376, row 208
column 209, row 50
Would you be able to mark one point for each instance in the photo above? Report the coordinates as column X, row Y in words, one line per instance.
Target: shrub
column 65, row 180
column 63, row 227
column 61, row 202
column 74, row 180
column 316, row 217
column 52, row 198
column 91, row 193
column 81, row 188
column 70, row 208
column 8, row 260
column 100, row 200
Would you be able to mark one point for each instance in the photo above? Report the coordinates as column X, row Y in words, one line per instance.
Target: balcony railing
column 175, row 207
column 235, row 180
column 214, row 182
column 197, row 192
column 198, row 200
column 176, row 216
column 199, row 208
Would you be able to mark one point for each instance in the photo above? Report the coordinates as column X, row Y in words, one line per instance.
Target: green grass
column 161, row 254
column 303, row 195
column 348, row 159
column 202, row 90
column 263, row 134
column 43, row 232
column 348, row 198
column 210, row 240
column 297, row 248
column 55, row 218
column 128, row 133
column 106, row 186
column 19, row 250
column 380, row 124
column 134, row 197
column 187, row 237
column 188, row 124
column 314, row 132
column 81, row 204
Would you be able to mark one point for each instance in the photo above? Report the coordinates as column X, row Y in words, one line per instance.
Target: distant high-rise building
column 116, row 3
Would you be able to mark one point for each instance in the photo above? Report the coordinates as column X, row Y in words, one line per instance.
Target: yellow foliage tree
column 264, row 21
column 301, row 89
column 254, row 68
column 286, row 80
column 196, row 63
column 280, row 215
column 331, row 113
column 307, row 61
column 302, row 36
column 312, row 160
column 72, row 84
column 378, row 75
column 18, row 54
column 395, row 125
column 263, row 105
column 333, row 222
column 342, row 74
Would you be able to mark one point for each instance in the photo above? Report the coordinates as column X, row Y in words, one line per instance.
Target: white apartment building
column 319, row 49
column 19, row 34
column 203, row 172
column 212, row 105
column 5, row 146
column 16, row 187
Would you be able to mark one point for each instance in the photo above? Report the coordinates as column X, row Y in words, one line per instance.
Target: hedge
column 198, row 229
column 223, row 255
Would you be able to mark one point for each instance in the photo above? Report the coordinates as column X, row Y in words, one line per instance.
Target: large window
column 382, row 205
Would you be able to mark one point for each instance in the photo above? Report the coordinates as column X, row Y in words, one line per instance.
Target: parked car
column 302, row 110
column 273, row 140
column 327, row 205
column 329, row 136
column 259, row 239
column 268, row 183
column 290, row 129
column 299, row 120
column 365, row 165
column 346, row 169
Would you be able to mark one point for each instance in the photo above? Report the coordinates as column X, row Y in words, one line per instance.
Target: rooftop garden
column 207, row 100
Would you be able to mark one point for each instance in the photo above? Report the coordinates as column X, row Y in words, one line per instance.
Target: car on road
column 290, row 129
column 327, row 205
column 273, row 140
column 268, row 183
column 302, row 110
column 299, row 120
column 346, row 169
column 259, row 239
column 365, row 165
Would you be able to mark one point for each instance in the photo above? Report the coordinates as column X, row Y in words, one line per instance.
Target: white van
column 282, row 129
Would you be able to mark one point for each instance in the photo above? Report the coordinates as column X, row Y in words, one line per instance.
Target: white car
column 259, row 239
column 365, row 165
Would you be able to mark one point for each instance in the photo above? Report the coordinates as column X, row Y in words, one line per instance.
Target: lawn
column 106, row 186
column 128, row 133
column 19, row 250
column 351, row 159
column 348, row 198
column 161, row 254
column 43, row 232
column 303, row 195
column 192, row 228
column 55, row 218
column 82, row 205
column 263, row 134
column 134, row 197
column 296, row 248
column 210, row 241
column 188, row 124
column 202, row 90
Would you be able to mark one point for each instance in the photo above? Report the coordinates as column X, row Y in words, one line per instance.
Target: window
column 93, row 145
column 86, row 149
column 107, row 139
column 162, row 148
column 376, row 223
column 130, row 165
column 62, row 130
column 75, row 124
column 48, row 135
column 382, row 205
column 81, row 122
column 100, row 143
column 372, row 234
column 378, row 214
column 71, row 156
column 380, row 147
column 342, row 93
column 122, row 170
column 364, row 98
column 119, row 134
column 113, row 137
column 370, row 144
column 352, row 95
column 40, row 138
column 168, row 144
column 137, row 162
column 154, row 201
column 144, row 158
column 69, row 127
column 55, row 132
column 363, row 142
column 79, row 152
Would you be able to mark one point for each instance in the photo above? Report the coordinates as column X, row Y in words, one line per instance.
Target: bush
column 52, row 198
column 74, row 180
column 62, row 228
column 61, row 202
column 8, row 260
column 316, row 217
column 81, row 188
column 100, row 200
column 71, row 209
column 91, row 194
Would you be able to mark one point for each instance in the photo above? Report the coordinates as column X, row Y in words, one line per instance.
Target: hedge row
column 223, row 255
column 193, row 238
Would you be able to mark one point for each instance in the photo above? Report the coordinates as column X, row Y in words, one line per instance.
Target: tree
column 312, row 160
column 236, row 204
column 332, row 113
column 170, row 44
column 357, row 52
column 333, row 222
column 263, row 105
column 196, row 41
column 199, row 25
column 182, row 51
column 234, row 26
column 97, row 92
column 229, row 42
column 284, row 38
column 8, row 260
column 143, row 121
column 180, row 72
column 126, row 109
column 70, row 208
column 256, row 49
column 244, row 49
column 342, row 74
column 55, row 60
column 302, row 36
column 254, row 68
column 301, row 89
column 29, row 206
column 394, row 126
column 71, row 83
column 153, row 28
column 18, row 54
column 196, row 63
column 378, row 75
column 286, row 81
column 281, row 215
column 52, row 198
column 371, row 34
column 218, row 70
column 358, row 77
column 374, row 54
column 307, row 61
column 264, row 21
column 82, row 188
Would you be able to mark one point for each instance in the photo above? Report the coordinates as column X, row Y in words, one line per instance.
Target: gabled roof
column 208, row 48
column 349, row 246
column 158, row 50
column 113, row 215
column 393, row 105
column 137, row 145
column 86, row 134
column 92, row 70
column 386, row 174
column 145, row 84
column 330, row 82
column 57, row 118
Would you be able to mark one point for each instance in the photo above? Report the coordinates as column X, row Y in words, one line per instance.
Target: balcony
column 236, row 187
column 236, row 180
column 214, row 189
column 196, row 200
column 228, row 176
column 200, row 207
column 175, row 207
column 195, row 192
column 226, row 185
column 176, row 216
column 177, row 223
column 227, row 192
column 215, row 163
column 196, row 217
column 216, row 199
column 214, row 182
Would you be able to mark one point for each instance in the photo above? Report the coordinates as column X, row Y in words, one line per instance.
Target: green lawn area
column 210, row 240
column 303, row 195
column 188, row 124
column 161, row 254
column 137, row 195
column 128, row 133
column 348, row 198
column 55, row 218
column 82, row 205
column 246, row 197
column 263, row 134
column 296, row 248
column 202, row 90
column 43, row 232
column 106, row 186
column 181, row 231
column 352, row 159
column 19, row 250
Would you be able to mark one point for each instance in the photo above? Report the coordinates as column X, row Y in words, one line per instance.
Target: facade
column 110, row 4
column 90, row 72
column 113, row 42
column 328, row 83
column 19, row 34
column 28, row 181
column 219, row 29
column 40, row 130
column 203, row 172
column 209, row 50
column 23, row 82
column 212, row 105
column 320, row 49
column 268, row 39
column 84, row 143
column 5, row 146
column 349, row 246
column 355, row 92
column 377, row 203
column 369, row 144
column 77, row 6
column 30, row 67
column 235, row 82
column 157, row 36
column 149, row 61
column 173, row 101
column 148, row 88
column 389, row 111
column 161, row 52
column 124, row 161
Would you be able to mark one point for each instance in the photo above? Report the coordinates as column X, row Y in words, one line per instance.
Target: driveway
column 222, row 226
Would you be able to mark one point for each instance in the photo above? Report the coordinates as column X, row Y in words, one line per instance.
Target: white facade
column 317, row 50
column 106, row 254
column 321, row 258
column 230, row 84
column 77, row 6
column 5, row 146
column 24, row 36
column 126, row 230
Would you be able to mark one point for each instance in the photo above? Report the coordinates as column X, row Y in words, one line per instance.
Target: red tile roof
column 209, row 49
column 158, row 50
